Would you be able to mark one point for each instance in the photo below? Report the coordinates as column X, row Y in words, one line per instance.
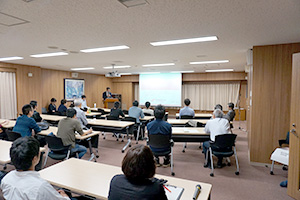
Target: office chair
column 186, row 117
column 162, row 141
column 57, row 150
column 135, row 128
column 125, row 112
column 44, row 111
column 147, row 114
column 12, row 136
column 117, row 135
column 224, row 146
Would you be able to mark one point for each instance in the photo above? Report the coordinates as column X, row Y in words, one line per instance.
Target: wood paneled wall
column 271, row 96
column 126, row 89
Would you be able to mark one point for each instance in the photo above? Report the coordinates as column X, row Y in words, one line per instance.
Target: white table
column 93, row 179
column 200, row 115
column 9, row 124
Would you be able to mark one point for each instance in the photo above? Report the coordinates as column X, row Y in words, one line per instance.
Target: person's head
column 71, row 113
column 27, row 110
column 108, row 89
column 117, row 105
column 219, row 106
column 159, row 112
column 33, row 103
column 24, row 153
column 230, row 106
column 53, row 100
column 77, row 102
column 187, row 102
column 218, row 113
column 135, row 103
column 83, row 97
column 138, row 163
column 147, row 104
column 63, row 101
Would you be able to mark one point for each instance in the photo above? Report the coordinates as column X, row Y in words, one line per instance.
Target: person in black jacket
column 137, row 182
column 62, row 109
column 116, row 111
column 52, row 107
column 36, row 115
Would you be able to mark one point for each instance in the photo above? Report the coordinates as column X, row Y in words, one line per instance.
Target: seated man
column 158, row 126
column 24, row 182
column 216, row 126
column 25, row 124
column 186, row 111
column 147, row 109
column 116, row 112
column 52, row 107
column 84, row 105
column 231, row 113
column 36, row 115
column 135, row 111
column 219, row 106
column 67, row 129
column 62, row 109
column 80, row 115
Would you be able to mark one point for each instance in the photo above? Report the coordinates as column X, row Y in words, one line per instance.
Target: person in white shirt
column 25, row 183
column 147, row 109
column 80, row 115
column 216, row 126
column 84, row 105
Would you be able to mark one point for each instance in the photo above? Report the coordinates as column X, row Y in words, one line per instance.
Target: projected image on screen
column 163, row 88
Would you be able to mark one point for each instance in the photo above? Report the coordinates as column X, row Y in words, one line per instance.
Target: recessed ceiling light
column 11, row 58
column 209, row 62
column 117, row 67
column 184, row 41
column 125, row 73
column 219, row 70
column 182, row 71
column 149, row 72
column 159, row 65
column 79, row 69
column 105, row 49
column 49, row 54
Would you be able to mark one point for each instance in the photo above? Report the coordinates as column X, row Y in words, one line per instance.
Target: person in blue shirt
column 62, row 109
column 52, row 107
column 158, row 126
column 25, row 124
column 135, row 111
column 186, row 111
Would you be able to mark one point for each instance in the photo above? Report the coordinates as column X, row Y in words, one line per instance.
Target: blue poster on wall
column 74, row 88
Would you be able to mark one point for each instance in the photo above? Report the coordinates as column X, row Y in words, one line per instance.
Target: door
column 294, row 159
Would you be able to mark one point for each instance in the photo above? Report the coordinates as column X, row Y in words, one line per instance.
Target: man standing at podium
column 106, row 94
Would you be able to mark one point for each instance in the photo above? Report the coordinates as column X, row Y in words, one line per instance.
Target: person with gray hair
column 216, row 126
column 80, row 115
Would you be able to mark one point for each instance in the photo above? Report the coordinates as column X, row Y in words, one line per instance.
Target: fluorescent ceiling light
column 183, row 71
column 117, row 67
column 159, row 65
column 125, row 73
column 49, row 54
column 79, row 69
column 184, row 41
column 149, row 72
column 219, row 70
column 209, row 62
column 105, row 49
column 11, row 58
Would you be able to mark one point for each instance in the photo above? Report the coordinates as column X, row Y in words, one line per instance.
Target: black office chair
column 147, row 114
column 166, row 117
column 186, row 117
column 135, row 128
column 224, row 146
column 125, row 112
column 117, row 135
column 162, row 141
column 108, row 117
column 57, row 150
column 12, row 136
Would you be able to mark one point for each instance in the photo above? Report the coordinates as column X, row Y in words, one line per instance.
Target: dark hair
column 219, row 106
column 138, row 163
column 63, row 101
column 71, row 112
column 53, row 100
column 107, row 88
column 22, row 152
column 135, row 103
column 26, row 109
column 159, row 112
column 187, row 102
column 33, row 103
column 83, row 96
column 147, row 104
column 117, row 105
column 231, row 105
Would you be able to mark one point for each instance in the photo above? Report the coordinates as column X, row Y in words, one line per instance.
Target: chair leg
column 237, row 162
column 46, row 158
column 104, row 135
column 272, row 168
column 172, row 164
column 184, row 146
column 68, row 154
column 138, row 134
column 211, row 162
column 228, row 161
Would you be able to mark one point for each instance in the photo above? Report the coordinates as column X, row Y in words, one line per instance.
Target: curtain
column 8, row 95
column 204, row 96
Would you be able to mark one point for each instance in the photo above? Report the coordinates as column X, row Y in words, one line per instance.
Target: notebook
column 175, row 193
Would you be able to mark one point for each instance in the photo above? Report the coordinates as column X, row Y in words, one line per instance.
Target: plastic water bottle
column 95, row 106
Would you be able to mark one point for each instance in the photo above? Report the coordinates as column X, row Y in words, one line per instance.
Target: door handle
column 293, row 131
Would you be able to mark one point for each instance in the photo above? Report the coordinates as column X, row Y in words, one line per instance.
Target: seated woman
column 137, row 182
column 116, row 111
column 62, row 109
column 52, row 107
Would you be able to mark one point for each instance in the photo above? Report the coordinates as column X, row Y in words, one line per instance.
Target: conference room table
column 93, row 179
column 52, row 118
column 200, row 115
column 9, row 124
column 106, row 110
column 182, row 122
column 91, row 114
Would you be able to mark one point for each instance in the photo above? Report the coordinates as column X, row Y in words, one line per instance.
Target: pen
column 166, row 188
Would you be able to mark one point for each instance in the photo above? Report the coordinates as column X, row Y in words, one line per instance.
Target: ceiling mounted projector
column 113, row 74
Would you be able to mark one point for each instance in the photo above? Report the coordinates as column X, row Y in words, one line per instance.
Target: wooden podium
column 109, row 102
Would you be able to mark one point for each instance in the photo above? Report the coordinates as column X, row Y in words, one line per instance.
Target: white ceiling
column 82, row 24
